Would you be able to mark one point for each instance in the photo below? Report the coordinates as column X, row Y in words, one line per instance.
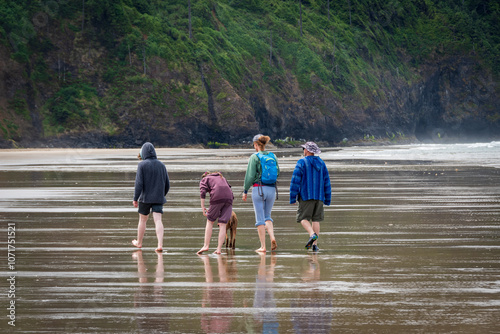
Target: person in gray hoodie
column 151, row 186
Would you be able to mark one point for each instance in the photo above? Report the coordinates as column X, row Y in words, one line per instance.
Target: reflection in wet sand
column 313, row 312
column 264, row 302
column 217, row 296
column 149, row 294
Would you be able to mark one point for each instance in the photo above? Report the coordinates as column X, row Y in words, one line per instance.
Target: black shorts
column 146, row 208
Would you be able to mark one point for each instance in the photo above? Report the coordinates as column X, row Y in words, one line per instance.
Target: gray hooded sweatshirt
column 151, row 180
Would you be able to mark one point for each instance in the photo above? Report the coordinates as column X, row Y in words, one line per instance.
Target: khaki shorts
column 311, row 210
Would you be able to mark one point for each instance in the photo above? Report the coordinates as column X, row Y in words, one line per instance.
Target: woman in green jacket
column 264, row 189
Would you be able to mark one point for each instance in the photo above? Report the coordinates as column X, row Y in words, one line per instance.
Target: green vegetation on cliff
column 99, row 64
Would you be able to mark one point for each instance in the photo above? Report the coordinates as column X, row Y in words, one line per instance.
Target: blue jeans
column 263, row 200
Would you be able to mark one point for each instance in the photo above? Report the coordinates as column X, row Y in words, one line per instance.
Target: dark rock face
column 453, row 102
column 427, row 108
column 457, row 103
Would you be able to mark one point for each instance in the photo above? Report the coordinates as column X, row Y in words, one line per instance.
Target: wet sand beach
column 410, row 244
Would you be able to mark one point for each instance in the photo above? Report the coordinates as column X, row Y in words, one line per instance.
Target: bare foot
column 204, row 249
column 159, row 249
column 274, row 245
column 217, row 252
column 136, row 243
column 261, row 250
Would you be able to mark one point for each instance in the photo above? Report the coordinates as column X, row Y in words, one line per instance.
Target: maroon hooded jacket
column 218, row 188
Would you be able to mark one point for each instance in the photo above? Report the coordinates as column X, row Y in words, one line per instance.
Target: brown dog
column 231, row 227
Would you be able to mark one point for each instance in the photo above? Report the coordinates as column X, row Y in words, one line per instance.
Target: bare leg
column 141, row 228
column 315, row 226
column 270, row 231
column 159, row 230
column 261, row 230
column 308, row 227
column 222, row 238
column 208, row 236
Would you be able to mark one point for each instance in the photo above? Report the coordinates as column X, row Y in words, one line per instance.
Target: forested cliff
column 116, row 73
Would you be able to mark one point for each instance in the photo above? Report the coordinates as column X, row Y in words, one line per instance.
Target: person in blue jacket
column 311, row 187
column 151, row 186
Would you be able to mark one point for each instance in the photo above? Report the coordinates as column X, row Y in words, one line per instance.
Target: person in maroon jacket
column 221, row 207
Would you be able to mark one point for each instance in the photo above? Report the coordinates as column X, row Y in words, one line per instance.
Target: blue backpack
column 269, row 168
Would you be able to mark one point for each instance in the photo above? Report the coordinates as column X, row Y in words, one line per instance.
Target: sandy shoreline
column 409, row 242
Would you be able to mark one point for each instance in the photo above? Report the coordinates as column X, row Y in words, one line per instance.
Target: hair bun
column 264, row 139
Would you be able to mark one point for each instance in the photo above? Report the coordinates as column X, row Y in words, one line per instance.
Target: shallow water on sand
column 410, row 244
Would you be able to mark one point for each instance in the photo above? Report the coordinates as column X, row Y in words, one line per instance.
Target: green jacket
column 254, row 171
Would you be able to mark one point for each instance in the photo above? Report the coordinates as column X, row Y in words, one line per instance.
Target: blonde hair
column 262, row 141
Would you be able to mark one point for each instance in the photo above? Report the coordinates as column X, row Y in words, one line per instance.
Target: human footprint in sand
column 221, row 207
column 151, row 186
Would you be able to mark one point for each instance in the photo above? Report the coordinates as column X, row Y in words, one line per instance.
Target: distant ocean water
column 471, row 154
column 198, row 160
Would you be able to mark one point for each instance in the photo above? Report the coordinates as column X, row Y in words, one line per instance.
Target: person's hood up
column 315, row 162
column 148, row 151
column 211, row 174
